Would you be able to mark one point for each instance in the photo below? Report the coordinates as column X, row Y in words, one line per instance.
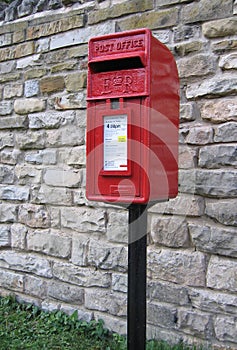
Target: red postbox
column 132, row 119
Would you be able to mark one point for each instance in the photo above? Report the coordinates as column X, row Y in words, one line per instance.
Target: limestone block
column 223, row 45
column 46, row 156
column 34, row 73
column 66, row 136
column 187, row 181
column 219, row 110
column 185, row 32
column 152, row 20
column 162, row 35
column 217, row 155
column 31, row 139
column 51, row 195
column 161, row 315
column 216, row 183
column 196, row 323
column 76, row 81
column 82, row 315
column 4, row 236
column 72, row 101
column 27, row 174
column 106, row 301
column 19, row 122
column 66, row 292
column 213, row 239
column 188, row 112
column 88, row 277
column 35, row 286
column 15, row 193
column 187, row 157
column 217, row 303
column 28, row 61
column 8, row 212
column 182, row 267
column 225, row 328
column 52, row 84
column 6, row 108
column 34, row 216
column 7, row 67
column 200, row 135
column 224, row 211
column 18, row 236
column 62, row 177
column 6, row 139
column 64, row 66
column 164, row 292
column 113, row 323
column 197, row 65
column 183, row 204
column 220, row 28
column 221, row 274
column 228, row 61
column 25, row 263
column 31, row 88
column 5, row 39
column 11, row 280
column 50, row 120
column 119, row 282
column 205, row 10
column 83, row 219
column 164, row 334
column 186, row 48
column 213, row 87
column 29, row 105
column 169, row 232
column 75, row 156
column 12, row 90
column 5, row 78
column 118, row 10
column 6, row 174
column 9, row 156
column 117, row 227
column 226, row 132
column 49, row 244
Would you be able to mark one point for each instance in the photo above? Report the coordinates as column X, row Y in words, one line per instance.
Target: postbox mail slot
column 117, row 63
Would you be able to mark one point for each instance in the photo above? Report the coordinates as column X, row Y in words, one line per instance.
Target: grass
column 24, row 326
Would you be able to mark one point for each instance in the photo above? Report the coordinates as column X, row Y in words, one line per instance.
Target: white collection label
column 115, row 142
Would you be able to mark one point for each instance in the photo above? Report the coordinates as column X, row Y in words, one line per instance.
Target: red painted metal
column 133, row 90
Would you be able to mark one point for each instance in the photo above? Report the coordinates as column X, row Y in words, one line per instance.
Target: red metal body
column 132, row 119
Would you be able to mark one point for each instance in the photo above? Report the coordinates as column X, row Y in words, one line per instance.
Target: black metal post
column 137, row 252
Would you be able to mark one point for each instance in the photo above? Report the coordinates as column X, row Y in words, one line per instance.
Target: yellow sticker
column 122, row 138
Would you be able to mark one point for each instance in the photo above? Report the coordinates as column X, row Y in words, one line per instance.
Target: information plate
column 116, row 143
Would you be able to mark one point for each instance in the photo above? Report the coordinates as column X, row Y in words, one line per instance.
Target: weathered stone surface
column 49, row 243
column 118, row 10
column 72, row 101
column 34, row 216
column 19, row 122
column 225, row 328
column 15, row 193
column 217, row 155
column 26, row 263
column 226, row 132
column 28, row 61
column 169, row 232
column 182, row 267
column 18, row 236
column 74, row 156
column 52, row 84
column 5, row 78
column 153, row 20
column 31, row 88
column 67, row 136
column 216, row 183
column 12, row 90
column 188, row 112
column 35, row 286
column 7, row 67
column 27, row 175
column 76, row 81
column 82, row 315
column 50, row 120
column 65, row 292
column 117, row 227
column 46, row 156
column 4, row 236
column 88, row 277
column 64, row 66
column 187, row 157
column 186, row 32
column 62, row 177
column 5, row 39
column 6, row 174
column 51, row 195
column 217, row 302
column 205, row 10
column 195, row 323
column 219, row 110
column 6, row 108
column 223, row 211
column 221, row 274
column 8, row 212
column 34, row 73
column 11, row 280
column 200, row 135
column 6, row 139
column 168, row 293
column 31, row 139
column 229, row 61
column 224, row 45
column 119, row 282
column 213, row 87
column 220, row 28
column 213, row 239
column 29, row 105
column 106, row 301
column 197, row 65
column 18, row 51
column 187, row 180
column 161, row 315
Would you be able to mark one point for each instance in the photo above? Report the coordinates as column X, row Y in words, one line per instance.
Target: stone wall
column 59, row 251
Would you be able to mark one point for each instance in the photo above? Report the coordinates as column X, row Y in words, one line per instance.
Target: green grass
column 24, row 326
